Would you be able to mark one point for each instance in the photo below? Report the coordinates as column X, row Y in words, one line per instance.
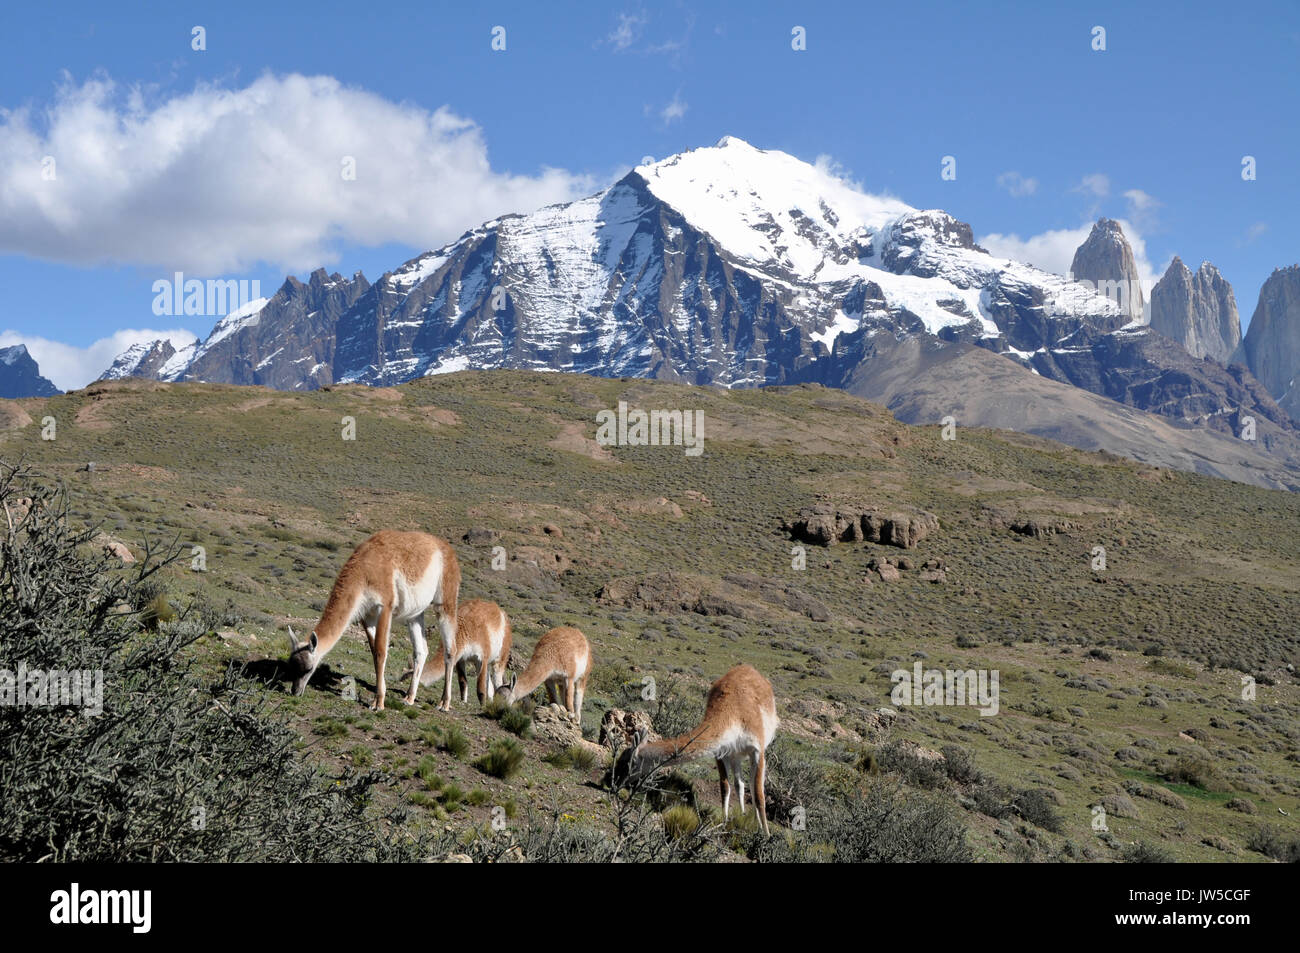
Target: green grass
column 1206, row 606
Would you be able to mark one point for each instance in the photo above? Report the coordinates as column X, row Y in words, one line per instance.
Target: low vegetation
column 1148, row 712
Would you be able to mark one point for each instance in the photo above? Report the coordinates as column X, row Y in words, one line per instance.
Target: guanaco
column 392, row 576
column 482, row 634
column 739, row 723
column 561, row 660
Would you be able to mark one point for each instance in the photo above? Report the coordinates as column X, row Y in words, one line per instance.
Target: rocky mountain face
column 20, row 376
column 156, row 360
column 736, row 267
column 1271, row 347
column 1198, row 311
column 287, row 341
column 1106, row 260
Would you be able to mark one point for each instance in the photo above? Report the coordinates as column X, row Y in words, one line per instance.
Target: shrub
column 904, row 760
column 168, row 748
column 1035, row 807
column 883, row 823
column 681, row 822
column 1271, row 842
column 503, row 760
column 1198, row 771
column 959, row 764
column 1144, row 853
column 454, row 742
column 516, row 722
column 575, row 756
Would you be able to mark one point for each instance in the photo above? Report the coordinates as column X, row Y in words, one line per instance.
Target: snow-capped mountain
column 162, row 359
column 20, row 376
column 726, row 265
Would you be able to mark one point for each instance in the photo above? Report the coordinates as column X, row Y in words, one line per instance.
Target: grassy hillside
column 1120, row 687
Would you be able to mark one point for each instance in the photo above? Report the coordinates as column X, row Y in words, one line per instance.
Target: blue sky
column 1047, row 133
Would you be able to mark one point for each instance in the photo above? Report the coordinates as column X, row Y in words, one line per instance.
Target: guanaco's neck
column 334, row 621
column 692, row 744
column 536, row 673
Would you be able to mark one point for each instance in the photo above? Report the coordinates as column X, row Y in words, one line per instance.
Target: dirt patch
column 573, row 438
column 247, row 405
column 13, row 417
column 94, row 416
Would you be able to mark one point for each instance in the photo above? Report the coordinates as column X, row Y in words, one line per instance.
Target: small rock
column 481, row 536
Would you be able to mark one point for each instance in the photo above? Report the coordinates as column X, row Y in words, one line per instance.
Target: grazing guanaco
column 739, row 723
column 482, row 634
column 392, row 576
column 561, row 660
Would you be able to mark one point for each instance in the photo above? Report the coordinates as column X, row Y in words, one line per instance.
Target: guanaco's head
column 302, row 661
column 507, row 691
column 633, row 762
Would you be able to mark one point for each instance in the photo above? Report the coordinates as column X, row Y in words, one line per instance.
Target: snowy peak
column 767, row 206
column 159, row 359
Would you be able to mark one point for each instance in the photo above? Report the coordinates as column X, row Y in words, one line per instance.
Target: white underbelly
column 412, row 596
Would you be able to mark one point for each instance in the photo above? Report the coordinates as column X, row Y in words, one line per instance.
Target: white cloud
column 1256, row 232
column 70, row 367
column 627, row 32
column 675, row 110
column 1054, row 250
column 215, row 180
column 1017, row 184
column 1095, row 183
column 1142, row 208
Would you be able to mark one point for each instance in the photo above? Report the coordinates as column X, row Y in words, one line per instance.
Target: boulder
column 115, row 547
column 555, row 726
column 618, row 728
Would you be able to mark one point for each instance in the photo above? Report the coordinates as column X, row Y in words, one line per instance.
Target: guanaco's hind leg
column 724, row 788
column 420, row 652
column 462, row 681
column 379, row 649
column 579, row 692
column 760, row 796
column 447, row 628
column 568, row 697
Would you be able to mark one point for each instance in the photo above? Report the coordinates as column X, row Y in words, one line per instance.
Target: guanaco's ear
column 514, row 678
column 641, row 737
column 313, row 642
column 293, row 641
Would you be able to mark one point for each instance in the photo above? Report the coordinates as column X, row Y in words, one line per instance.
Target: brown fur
column 736, row 701
column 475, row 621
column 369, row 573
column 555, row 662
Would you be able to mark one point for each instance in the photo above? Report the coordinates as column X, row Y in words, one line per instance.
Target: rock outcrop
column 1198, row 311
column 1271, row 348
column 1106, row 260
column 825, row 524
column 619, row 728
